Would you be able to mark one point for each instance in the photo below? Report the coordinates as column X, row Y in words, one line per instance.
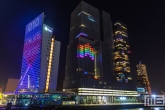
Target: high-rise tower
column 40, row 61
column 142, row 78
column 121, row 53
column 90, row 48
column 89, row 60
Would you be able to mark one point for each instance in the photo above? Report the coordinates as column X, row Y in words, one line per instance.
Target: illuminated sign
column 154, row 100
column 35, row 23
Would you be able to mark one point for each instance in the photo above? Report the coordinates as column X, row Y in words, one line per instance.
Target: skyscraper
column 40, row 58
column 89, row 61
column 142, row 78
column 84, row 52
column 121, row 53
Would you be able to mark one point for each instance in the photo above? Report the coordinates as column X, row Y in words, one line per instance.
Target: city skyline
column 12, row 51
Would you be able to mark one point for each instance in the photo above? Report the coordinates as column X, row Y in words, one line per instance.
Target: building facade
column 40, row 58
column 89, row 60
column 11, row 85
column 121, row 53
column 89, row 52
column 142, row 78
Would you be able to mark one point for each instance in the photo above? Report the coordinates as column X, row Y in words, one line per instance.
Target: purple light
column 81, row 34
column 31, row 48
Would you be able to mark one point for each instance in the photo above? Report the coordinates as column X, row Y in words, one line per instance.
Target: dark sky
column 145, row 22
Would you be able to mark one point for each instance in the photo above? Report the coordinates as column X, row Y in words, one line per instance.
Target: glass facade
column 85, row 19
column 27, row 99
column 32, row 54
column 121, row 53
column 69, row 98
column 40, row 62
column 90, row 53
column 81, row 52
column 142, row 78
column 100, row 100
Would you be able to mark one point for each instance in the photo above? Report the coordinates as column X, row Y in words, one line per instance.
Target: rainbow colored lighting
column 85, row 50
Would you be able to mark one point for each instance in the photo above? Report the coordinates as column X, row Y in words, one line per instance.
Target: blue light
column 85, row 72
column 47, row 29
column 79, row 14
column 153, row 95
column 140, row 89
column 91, row 19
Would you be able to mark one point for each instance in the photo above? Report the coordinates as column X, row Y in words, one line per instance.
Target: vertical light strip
column 28, row 81
column 49, row 66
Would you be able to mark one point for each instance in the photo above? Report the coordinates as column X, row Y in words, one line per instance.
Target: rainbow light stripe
column 85, row 50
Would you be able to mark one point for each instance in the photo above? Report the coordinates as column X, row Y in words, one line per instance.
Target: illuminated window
column 119, row 40
column 86, row 13
column 123, row 27
column 82, row 25
column 127, row 45
column 117, row 23
column 127, row 69
column 126, row 57
column 80, row 69
column 118, row 32
column 100, row 82
column 118, row 45
column 118, row 68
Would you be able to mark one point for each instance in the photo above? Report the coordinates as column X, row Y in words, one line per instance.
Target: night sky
column 145, row 22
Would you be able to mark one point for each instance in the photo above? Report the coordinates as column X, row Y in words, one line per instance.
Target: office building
column 88, row 40
column 40, row 58
column 142, row 78
column 89, row 60
column 121, row 53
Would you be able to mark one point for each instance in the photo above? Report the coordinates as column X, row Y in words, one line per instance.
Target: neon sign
column 35, row 23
